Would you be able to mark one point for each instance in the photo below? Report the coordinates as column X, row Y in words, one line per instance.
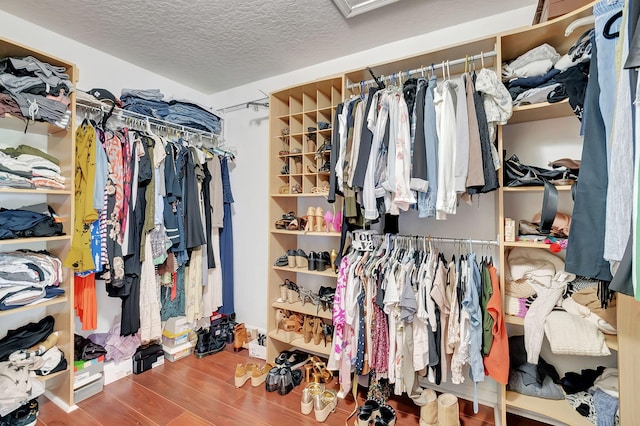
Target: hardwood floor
column 197, row 392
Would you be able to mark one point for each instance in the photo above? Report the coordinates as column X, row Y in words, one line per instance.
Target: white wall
column 249, row 179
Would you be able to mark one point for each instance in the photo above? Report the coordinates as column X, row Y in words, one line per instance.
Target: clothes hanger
column 482, row 58
column 580, row 22
column 606, row 31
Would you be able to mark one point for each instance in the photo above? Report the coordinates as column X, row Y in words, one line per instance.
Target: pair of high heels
column 315, row 220
column 252, row 371
column 289, row 324
column 319, row 261
column 322, row 401
column 333, row 221
column 312, row 329
column 289, row 292
column 282, row 379
column 316, row 371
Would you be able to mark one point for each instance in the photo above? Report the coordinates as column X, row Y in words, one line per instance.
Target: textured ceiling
column 215, row 45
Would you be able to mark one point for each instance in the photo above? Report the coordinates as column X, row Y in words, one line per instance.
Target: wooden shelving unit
column 300, row 110
column 514, row 44
column 59, row 143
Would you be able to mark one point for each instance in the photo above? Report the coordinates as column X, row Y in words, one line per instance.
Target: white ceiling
column 215, row 45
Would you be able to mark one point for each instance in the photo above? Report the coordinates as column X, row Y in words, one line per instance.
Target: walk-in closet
column 340, row 212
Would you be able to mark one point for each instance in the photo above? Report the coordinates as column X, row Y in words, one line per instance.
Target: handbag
column 518, row 174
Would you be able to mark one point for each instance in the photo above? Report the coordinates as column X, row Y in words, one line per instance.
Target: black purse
column 519, row 174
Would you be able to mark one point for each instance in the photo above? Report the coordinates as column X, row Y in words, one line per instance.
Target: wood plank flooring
column 198, row 392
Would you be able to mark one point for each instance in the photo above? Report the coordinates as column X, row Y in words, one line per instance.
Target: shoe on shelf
column 282, row 261
column 313, row 258
column 323, row 261
column 259, row 374
column 311, row 219
column 302, row 260
column 312, row 168
column 291, row 257
column 243, row 373
column 285, row 170
column 332, row 258
column 308, row 394
column 326, row 167
column 308, row 328
column 320, row 225
column 307, row 295
column 324, row 404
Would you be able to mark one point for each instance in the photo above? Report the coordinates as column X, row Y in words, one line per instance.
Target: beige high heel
column 324, row 404
column 311, row 219
column 308, row 394
column 259, row 375
column 243, row 373
column 320, row 224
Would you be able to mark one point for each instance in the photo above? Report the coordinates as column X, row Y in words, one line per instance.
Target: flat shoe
column 282, row 261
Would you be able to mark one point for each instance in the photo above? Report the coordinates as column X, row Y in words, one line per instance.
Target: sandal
column 296, row 189
column 284, row 189
column 311, row 168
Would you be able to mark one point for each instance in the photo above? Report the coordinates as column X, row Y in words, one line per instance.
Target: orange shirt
column 496, row 364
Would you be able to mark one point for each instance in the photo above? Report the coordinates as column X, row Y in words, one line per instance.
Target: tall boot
column 429, row 411
column 448, row 411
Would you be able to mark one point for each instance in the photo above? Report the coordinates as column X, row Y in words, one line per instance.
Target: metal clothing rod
column 438, row 66
column 262, row 102
column 442, row 239
column 124, row 114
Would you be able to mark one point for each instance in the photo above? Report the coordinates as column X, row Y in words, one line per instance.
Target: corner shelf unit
column 60, row 143
column 296, row 182
column 297, row 109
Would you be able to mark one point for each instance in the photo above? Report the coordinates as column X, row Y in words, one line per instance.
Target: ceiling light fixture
column 351, row 8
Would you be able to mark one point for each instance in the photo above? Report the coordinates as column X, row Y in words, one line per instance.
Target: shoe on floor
column 25, row 415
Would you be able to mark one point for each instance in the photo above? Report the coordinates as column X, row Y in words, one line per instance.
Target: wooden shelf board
column 53, row 375
column 12, row 122
column 318, row 194
column 35, row 240
column 534, row 188
column 307, row 233
column 326, row 273
column 531, row 244
column 307, row 309
column 610, row 339
column 540, row 111
column 36, row 191
column 299, row 343
column 50, row 302
column 554, row 409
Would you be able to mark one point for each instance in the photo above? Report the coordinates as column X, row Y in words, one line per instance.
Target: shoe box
column 175, row 339
column 146, row 358
column 114, row 371
column 174, row 353
column 88, row 378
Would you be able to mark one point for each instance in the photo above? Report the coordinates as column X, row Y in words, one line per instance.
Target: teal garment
column 487, row 319
column 173, row 308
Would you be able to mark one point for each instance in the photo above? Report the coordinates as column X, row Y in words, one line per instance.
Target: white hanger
column 580, row 22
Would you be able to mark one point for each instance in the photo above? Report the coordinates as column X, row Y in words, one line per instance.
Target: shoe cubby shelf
column 59, row 143
column 299, row 343
column 306, row 309
column 299, row 152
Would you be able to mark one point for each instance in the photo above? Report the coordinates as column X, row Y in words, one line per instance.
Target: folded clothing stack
column 541, row 75
column 29, row 222
column 26, row 352
column 151, row 102
column 28, row 277
column 35, row 90
column 27, row 167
